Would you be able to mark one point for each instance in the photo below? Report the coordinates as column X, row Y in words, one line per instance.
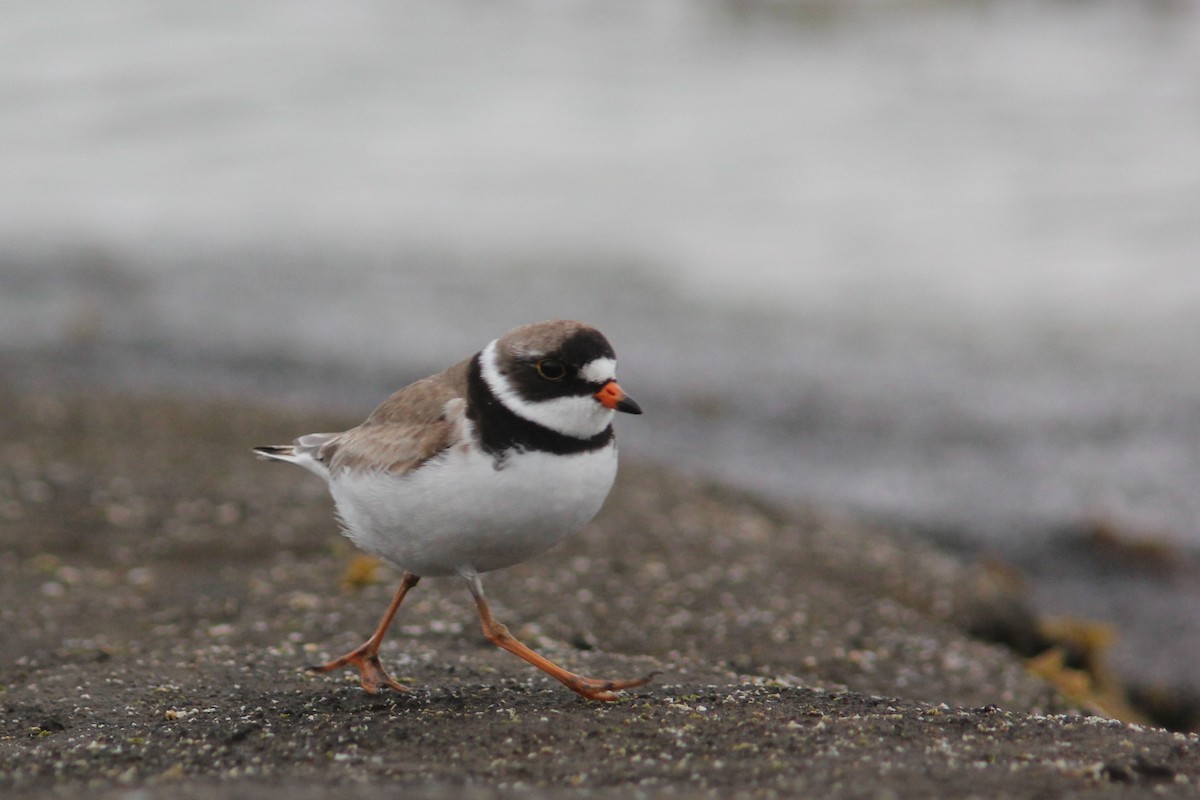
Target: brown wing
column 412, row 426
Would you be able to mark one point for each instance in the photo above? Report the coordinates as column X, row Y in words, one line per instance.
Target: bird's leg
column 365, row 657
column 497, row 633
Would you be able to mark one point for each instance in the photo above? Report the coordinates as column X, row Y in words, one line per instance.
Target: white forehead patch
column 581, row 416
column 601, row 370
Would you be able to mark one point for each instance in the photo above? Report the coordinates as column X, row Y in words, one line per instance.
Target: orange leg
column 365, row 657
column 497, row 633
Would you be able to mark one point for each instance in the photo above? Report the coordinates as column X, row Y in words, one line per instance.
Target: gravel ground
column 161, row 592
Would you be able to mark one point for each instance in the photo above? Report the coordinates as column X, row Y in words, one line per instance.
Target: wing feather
column 412, row 426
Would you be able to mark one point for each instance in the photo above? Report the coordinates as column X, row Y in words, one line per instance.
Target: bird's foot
column 371, row 673
column 606, row 691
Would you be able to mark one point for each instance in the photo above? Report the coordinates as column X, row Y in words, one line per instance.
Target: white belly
column 460, row 514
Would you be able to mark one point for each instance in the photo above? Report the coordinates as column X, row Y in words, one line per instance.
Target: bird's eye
column 551, row 370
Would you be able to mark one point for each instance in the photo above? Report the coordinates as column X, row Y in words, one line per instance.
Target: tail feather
column 276, row 452
column 304, row 452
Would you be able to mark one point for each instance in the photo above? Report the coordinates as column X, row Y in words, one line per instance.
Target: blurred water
column 930, row 261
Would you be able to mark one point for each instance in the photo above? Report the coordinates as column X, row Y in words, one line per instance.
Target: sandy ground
column 161, row 592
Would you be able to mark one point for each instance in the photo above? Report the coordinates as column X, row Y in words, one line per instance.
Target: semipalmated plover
column 476, row 468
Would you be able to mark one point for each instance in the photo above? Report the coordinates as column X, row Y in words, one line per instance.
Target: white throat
column 581, row 416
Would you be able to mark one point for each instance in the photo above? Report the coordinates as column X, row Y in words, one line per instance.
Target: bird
column 477, row 468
